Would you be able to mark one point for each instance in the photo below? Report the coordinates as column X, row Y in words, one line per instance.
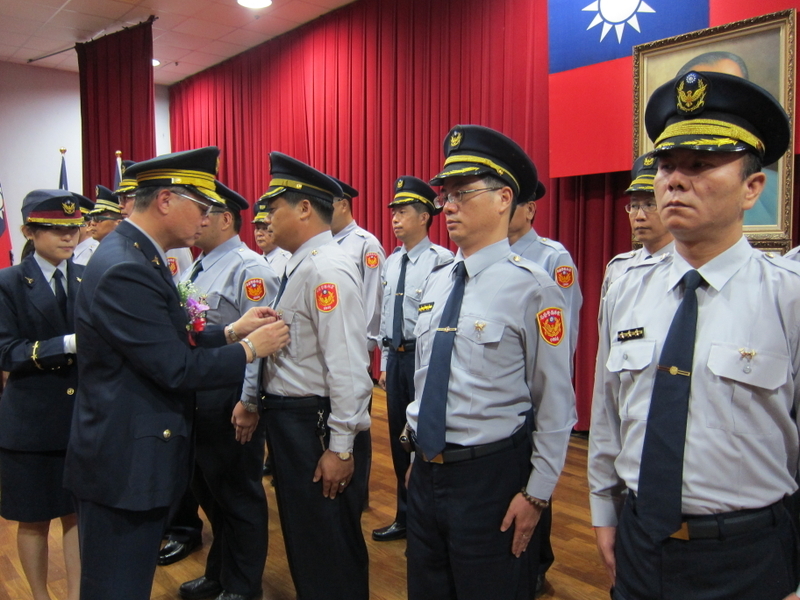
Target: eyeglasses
column 98, row 219
column 458, row 197
column 647, row 207
column 207, row 208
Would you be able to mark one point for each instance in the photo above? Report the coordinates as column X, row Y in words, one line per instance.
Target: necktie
column 661, row 470
column 198, row 266
column 61, row 294
column 281, row 288
column 399, row 295
column 433, row 404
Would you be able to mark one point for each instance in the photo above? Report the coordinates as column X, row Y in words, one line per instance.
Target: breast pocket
column 746, row 381
column 212, row 300
column 423, row 333
column 292, row 349
column 629, row 360
column 484, row 337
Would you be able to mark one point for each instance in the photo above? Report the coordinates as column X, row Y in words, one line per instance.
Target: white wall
column 40, row 112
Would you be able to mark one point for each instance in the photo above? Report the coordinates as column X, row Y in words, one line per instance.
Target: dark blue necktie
column 198, row 266
column 61, row 295
column 399, row 295
column 281, row 288
column 433, row 404
column 661, row 471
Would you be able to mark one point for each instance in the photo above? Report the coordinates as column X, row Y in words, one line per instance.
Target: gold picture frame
column 762, row 50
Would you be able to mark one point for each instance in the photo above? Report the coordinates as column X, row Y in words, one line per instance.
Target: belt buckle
column 682, row 533
column 438, row 459
column 401, row 348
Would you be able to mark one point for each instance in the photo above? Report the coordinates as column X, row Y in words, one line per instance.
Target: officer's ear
column 505, row 200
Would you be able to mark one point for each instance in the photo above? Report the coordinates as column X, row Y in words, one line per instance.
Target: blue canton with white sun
column 579, row 32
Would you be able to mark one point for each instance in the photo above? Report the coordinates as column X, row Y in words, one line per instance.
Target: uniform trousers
column 755, row 565
column 455, row 547
column 227, row 483
column 399, row 394
column 324, row 543
column 119, row 549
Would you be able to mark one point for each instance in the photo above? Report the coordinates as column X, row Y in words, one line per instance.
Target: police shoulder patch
column 372, row 260
column 327, row 297
column 426, row 307
column 255, row 289
column 565, row 276
column 551, row 325
column 172, row 263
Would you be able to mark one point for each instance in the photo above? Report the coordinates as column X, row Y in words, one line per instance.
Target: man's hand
column 334, row 472
column 382, row 380
column 244, row 423
column 606, row 538
column 270, row 338
column 524, row 516
column 253, row 319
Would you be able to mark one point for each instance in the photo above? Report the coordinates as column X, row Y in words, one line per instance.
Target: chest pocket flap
column 633, row 355
column 767, row 370
column 480, row 331
column 212, row 300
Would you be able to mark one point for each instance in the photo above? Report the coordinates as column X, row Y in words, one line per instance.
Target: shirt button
column 167, row 434
column 70, row 391
column 625, row 356
column 69, row 362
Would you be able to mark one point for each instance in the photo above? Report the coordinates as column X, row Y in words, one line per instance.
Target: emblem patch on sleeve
column 327, row 297
column 551, row 325
column 427, row 307
column 172, row 263
column 565, row 276
column 255, row 289
column 372, row 260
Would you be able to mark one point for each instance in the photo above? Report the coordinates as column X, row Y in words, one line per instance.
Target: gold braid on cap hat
column 469, row 158
column 710, row 127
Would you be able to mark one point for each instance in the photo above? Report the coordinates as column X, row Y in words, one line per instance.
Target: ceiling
column 188, row 36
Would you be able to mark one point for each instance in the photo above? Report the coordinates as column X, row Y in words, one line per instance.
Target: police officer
column 549, row 254
column 106, row 214
column 317, row 390
column 491, row 345
column 368, row 255
column 694, row 436
column 554, row 258
column 229, row 437
column 645, row 221
column 265, row 240
column 404, row 274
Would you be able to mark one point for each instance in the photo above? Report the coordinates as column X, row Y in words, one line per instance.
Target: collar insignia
column 29, row 280
column 155, row 261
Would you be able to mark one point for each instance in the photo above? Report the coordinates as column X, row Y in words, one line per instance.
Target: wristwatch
column 250, row 407
column 343, row 455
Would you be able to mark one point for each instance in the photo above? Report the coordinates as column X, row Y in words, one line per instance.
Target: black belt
column 710, row 527
column 405, row 345
column 273, row 401
column 456, row 454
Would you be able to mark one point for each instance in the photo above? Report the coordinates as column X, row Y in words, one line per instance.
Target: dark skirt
column 31, row 486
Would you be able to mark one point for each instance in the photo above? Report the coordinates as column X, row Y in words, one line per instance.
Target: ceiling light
column 255, row 3
column 156, row 62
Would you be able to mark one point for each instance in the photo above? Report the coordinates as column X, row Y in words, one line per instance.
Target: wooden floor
column 576, row 574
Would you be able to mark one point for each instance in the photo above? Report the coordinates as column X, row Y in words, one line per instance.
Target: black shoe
column 200, row 588
column 395, row 531
column 232, row 596
column 175, row 550
column 540, row 586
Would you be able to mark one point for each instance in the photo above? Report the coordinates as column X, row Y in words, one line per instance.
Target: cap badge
column 455, row 138
column 691, row 93
column 648, row 162
column 399, row 184
column 68, row 206
column 96, row 190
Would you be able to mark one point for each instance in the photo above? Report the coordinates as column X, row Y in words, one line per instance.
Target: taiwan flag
column 5, row 236
column 591, row 75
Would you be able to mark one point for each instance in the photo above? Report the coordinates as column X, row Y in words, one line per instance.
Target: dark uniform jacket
column 131, row 442
column 36, row 406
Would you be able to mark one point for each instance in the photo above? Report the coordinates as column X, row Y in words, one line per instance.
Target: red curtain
column 117, row 102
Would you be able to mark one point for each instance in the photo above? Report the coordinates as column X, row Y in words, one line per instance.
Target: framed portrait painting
column 760, row 49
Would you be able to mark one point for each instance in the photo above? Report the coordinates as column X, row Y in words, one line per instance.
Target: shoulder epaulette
column 623, row 256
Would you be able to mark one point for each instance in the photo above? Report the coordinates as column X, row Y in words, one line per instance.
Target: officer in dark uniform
column 317, row 390
column 130, row 451
column 404, row 274
column 106, row 214
column 37, row 348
